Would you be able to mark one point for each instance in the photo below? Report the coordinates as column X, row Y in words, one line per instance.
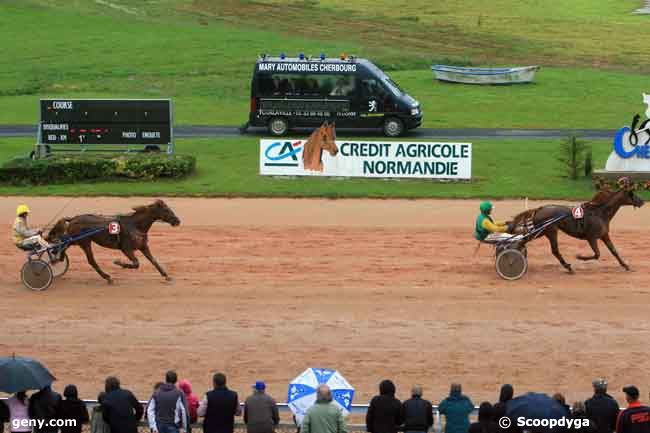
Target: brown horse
column 323, row 138
column 594, row 225
column 133, row 229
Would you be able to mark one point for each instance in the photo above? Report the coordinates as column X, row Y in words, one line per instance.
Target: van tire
column 278, row 126
column 393, row 127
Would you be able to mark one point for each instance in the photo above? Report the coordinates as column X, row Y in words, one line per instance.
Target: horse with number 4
column 127, row 233
column 589, row 221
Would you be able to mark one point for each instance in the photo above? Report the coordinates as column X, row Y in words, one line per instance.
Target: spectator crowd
column 173, row 408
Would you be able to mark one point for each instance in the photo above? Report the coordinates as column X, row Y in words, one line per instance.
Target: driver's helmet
column 486, row 207
column 22, row 209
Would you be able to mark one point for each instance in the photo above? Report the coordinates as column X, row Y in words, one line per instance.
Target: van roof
column 312, row 60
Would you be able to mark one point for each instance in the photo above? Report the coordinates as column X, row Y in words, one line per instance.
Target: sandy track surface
column 375, row 288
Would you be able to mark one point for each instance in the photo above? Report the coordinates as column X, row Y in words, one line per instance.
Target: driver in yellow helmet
column 23, row 236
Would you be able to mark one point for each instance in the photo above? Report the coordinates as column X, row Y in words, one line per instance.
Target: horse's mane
column 310, row 148
column 600, row 198
column 524, row 216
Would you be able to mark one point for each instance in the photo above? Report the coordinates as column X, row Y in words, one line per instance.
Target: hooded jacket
column 499, row 408
column 192, row 400
column 73, row 409
column 384, row 414
column 456, row 408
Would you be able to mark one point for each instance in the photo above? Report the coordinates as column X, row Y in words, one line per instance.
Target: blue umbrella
column 20, row 374
column 302, row 391
column 535, row 406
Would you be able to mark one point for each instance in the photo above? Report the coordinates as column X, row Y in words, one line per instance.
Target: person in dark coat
column 45, row 406
column 602, row 408
column 486, row 423
column 120, row 409
column 417, row 413
column 219, row 407
column 384, row 414
column 456, row 408
column 73, row 408
column 499, row 408
column 4, row 416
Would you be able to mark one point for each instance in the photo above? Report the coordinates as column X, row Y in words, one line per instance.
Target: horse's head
column 628, row 196
column 160, row 211
column 328, row 138
column 59, row 230
column 632, row 199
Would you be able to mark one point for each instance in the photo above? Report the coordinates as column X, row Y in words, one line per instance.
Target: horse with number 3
column 127, row 233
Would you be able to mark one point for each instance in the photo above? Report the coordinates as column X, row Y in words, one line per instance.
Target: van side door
column 375, row 100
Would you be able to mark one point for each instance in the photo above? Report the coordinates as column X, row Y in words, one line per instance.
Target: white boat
column 457, row 74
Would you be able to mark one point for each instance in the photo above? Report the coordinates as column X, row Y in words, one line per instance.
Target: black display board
column 105, row 121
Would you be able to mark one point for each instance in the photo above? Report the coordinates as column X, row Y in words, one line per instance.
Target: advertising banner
column 370, row 159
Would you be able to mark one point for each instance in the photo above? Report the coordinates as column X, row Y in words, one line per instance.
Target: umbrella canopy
column 20, row 374
column 302, row 391
column 535, row 406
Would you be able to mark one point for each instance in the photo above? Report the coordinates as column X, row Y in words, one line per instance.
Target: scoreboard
column 106, row 121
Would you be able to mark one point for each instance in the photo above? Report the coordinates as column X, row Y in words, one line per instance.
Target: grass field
column 229, row 167
column 201, row 54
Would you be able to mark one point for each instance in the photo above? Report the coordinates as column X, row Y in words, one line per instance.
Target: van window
column 372, row 87
column 270, row 85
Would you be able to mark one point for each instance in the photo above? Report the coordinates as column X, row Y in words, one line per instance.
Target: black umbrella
column 535, row 406
column 20, row 374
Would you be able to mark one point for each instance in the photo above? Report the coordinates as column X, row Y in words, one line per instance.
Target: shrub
column 572, row 157
column 76, row 168
column 589, row 163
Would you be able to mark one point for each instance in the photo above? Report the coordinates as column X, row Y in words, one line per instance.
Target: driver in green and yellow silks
column 486, row 228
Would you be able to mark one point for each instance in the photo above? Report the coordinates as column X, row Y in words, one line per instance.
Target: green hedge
column 75, row 168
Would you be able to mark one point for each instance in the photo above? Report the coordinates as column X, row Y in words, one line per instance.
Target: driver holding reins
column 486, row 228
column 23, row 236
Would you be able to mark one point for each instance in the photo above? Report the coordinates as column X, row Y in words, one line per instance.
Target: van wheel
column 393, row 127
column 278, row 126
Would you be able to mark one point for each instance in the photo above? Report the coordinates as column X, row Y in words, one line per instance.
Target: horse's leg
column 612, row 249
column 135, row 263
column 147, row 253
column 88, row 249
column 594, row 246
column 551, row 234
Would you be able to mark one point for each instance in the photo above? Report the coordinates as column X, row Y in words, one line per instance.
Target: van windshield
column 393, row 86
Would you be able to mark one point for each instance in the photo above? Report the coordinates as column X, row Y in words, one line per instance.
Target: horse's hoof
column 168, row 279
column 109, row 281
column 627, row 268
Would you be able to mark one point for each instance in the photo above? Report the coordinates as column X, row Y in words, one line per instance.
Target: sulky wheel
column 511, row 264
column 36, row 275
column 59, row 267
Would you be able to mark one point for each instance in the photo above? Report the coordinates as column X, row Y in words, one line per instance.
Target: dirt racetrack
column 266, row 288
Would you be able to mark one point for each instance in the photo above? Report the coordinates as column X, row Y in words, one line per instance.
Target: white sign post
column 371, row 159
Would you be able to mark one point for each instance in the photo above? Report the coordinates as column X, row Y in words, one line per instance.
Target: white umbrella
column 302, row 391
